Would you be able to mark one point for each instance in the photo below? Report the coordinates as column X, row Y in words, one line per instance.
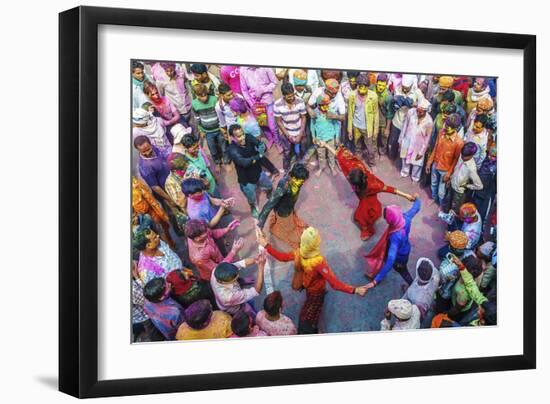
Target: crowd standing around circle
column 192, row 123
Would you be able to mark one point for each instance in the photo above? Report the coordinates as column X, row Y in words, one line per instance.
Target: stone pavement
column 328, row 203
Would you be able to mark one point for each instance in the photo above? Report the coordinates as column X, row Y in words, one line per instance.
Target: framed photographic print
column 251, row 201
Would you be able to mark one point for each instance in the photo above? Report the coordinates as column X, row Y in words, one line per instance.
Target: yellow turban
column 310, row 243
column 300, row 74
column 446, row 81
column 457, row 239
column 485, row 104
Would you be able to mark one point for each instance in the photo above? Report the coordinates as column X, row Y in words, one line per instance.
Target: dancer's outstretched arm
column 325, row 145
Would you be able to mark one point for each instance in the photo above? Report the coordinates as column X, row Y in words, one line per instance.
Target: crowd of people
column 192, row 123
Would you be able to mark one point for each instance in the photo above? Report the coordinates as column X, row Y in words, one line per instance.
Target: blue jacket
column 399, row 245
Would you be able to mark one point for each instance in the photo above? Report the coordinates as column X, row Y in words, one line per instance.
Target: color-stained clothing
column 143, row 202
column 158, row 266
column 291, row 116
column 172, row 186
column 399, row 245
column 257, row 85
column 166, row 315
column 176, row 91
column 154, row 170
column 231, row 297
column 282, row 326
column 206, row 255
column 250, row 125
column 205, row 114
column 480, row 139
column 155, row 131
column 465, row 176
column 138, row 96
column 138, row 312
column 201, row 165
column 402, row 102
column 422, row 293
column 465, row 291
column 415, row 137
column 314, row 280
column 324, row 129
column 446, row 151
column 282, row 201
column 369, row 209
column 368, row 103
column 226, row 116
column 218, row 327
column 385, row 107
column 201, row 209
column 166, row 110
column 231, row 75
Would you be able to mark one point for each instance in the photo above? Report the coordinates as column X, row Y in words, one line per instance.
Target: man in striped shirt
column 290, row 115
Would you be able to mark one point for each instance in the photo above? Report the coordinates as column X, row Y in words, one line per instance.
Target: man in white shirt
column 230, row 295
column 465, row 176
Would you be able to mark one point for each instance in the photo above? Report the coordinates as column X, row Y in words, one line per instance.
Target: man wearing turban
column 414, row 140
column 446, row 85
column 405, row 96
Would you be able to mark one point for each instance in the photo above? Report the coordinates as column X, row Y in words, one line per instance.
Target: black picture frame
column 78, row 196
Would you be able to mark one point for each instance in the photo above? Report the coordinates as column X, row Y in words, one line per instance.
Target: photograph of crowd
column 270, row 201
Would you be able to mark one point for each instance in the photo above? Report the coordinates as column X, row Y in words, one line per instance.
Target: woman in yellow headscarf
column 311, row 272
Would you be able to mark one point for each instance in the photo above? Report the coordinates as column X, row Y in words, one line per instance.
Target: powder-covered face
column 421, row 112
column 323, row 108
column 290, row 98
column 362, row 89
column 197, row 196
column 449, row 131
column 145, row 149
column 381, row 86
column 170, row 71
column 228, row 96
column 202, row 77
column 478, row 85
column 478, row 127
column 202, row 238
column 296, row 182
column 154, row 94
column 353, row 82
column 193, row 150
column 153, row 240
column 138, row 74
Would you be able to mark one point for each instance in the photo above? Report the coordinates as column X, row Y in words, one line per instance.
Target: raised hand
column 228, row 203
column 233, row 225
column 260, row 237
column 238, row 244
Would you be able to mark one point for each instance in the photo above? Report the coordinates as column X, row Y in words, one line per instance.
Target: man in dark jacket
column 247, row 153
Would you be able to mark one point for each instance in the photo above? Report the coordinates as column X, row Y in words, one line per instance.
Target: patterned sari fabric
column 287, row 229
column 310, row 313
column 143, row 202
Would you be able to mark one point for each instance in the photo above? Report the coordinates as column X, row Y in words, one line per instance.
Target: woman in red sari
column 311, row 272
column 366, row 186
